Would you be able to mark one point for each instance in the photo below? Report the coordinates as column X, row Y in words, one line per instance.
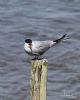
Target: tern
column 38, row 48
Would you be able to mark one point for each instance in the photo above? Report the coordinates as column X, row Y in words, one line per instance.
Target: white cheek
column 26, row 47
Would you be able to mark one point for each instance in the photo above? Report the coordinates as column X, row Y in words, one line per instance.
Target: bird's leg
column 35, row 58
column 38, row 57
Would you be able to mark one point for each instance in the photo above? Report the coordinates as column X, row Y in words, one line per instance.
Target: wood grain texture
column 38, row 79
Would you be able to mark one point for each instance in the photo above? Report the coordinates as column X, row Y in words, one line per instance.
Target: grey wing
column 41, row 47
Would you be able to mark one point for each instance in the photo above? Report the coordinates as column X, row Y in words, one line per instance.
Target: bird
column 38, row 48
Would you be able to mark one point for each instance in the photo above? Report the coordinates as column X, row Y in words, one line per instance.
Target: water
column 38, row 20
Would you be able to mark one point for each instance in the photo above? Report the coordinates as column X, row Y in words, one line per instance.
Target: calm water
column 38, row 20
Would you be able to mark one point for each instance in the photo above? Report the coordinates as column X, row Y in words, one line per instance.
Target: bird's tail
column 60, row 39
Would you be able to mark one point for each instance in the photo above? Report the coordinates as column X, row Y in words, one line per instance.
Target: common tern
column 37, row 48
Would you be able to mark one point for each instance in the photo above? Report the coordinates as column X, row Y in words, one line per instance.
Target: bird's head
column 29, row 43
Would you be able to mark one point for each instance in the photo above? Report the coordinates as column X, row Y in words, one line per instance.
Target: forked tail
column 60, row 39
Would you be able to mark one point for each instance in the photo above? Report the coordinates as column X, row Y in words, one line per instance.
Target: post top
column 43, row 60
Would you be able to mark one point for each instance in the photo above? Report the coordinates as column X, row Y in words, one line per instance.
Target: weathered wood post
column 38, row 79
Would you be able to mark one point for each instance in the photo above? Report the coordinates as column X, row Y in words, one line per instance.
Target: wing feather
column 39, row 47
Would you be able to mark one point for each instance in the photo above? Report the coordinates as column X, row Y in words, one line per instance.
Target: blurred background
column 40, row 20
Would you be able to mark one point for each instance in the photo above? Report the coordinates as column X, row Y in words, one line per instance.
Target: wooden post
column 38, row 80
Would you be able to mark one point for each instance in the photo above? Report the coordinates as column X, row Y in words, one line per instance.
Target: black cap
column 28, row 41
